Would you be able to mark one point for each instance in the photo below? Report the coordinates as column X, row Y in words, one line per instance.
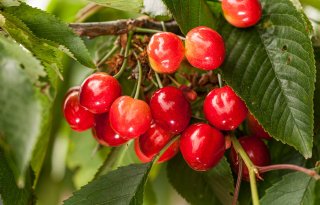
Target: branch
column 95, row 29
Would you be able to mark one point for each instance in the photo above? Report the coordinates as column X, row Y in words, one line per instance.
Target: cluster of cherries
column 116, row 119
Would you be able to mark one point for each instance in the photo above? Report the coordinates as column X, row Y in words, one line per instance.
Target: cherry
column 142, row 157
column 98, row 91
column 256, row 150
column 152, row 141
column 130, row 117
column 204, row 48
column 170, row 109
column 202, row 146
column 224, row 109
column 78, row 117
column 242, row 13
column 165, row 51
column 167, row 155
column 256, row 129
column 103, row 132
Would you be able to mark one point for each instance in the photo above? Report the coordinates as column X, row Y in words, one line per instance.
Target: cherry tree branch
column 311, row 173
column 94, row 29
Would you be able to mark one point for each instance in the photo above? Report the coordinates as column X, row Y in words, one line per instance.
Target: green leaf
column 21, row 110
column 212, row 187
column 294, row 188
column 40, row 149
column 9, row 3
column 122, row 186
column 9, row 192
column 190, row 14
column 47, row 26
column 132, row 5
column 271, row 66
column 317, row 92
column 49, row 55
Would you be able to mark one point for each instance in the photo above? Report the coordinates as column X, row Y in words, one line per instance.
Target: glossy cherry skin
column 204, row 48
column 202, row 146
column 103, row 132
column 165, row 52
column 170, row 109
column 98, row 91
column 78, row 117
column 224, row 109
column 130, row 117
column 167, row 155
column 242, row 13
column 256, row 129
column 256, row 150
column 152, row 141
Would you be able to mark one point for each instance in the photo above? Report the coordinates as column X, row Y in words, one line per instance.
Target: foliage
column 273, row 66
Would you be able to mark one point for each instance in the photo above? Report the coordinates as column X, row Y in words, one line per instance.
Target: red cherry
column 152, row 141
column 130, row 117
column 170, row 109
column 256, row 129
column 143, row 158
column 224, row 109
column 204, row 48
column 78, row 117
column 168, row 154
column 165, row 51
column 98, row 91
column 256, row 150
column 103, row 132
column 242, row 13
column 202, row 146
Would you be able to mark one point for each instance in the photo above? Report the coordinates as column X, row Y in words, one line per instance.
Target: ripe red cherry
column 78, row 117
column 170, row 109
column 165, row 51
column 224, row 109
column 204, row 48
column 202, row 146
column 152, row 141
column 103, row 132
column 256, row 129
column 130, row 117
column 257, row 151
column 168, row 154
column 98, row 91
column 242, row 13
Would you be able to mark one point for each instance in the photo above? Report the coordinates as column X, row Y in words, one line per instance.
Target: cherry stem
column 147, row 30
column 109, row 161
column 124, row 64
column 110, row 53
column 121, row 155
column 158, row 80
column 311, row 173
column 157, row 157
column 237, row 189
column 87, row 11
column 136, row 96
column 174, row 81
column 113, row 160
column 219, row 80
column 163, row 26
column 251, row 167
